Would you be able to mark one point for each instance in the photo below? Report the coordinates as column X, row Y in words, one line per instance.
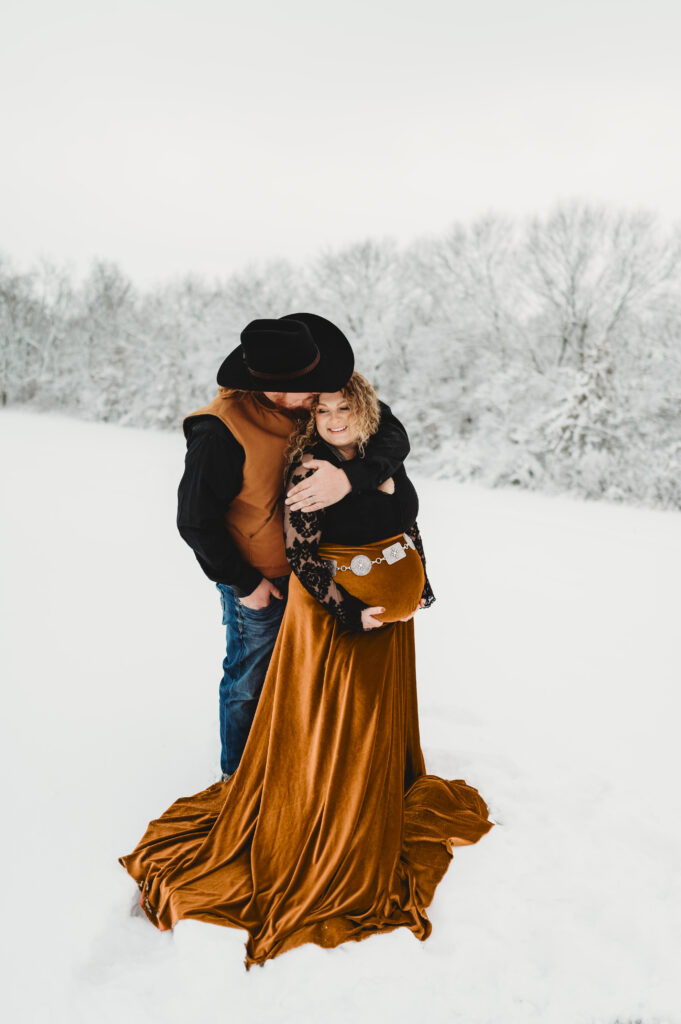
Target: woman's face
column 335, row 420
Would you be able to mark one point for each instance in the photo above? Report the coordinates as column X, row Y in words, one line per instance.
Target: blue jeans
column 251, row 634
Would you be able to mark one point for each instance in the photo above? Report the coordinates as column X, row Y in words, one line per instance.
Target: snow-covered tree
column 540, row 355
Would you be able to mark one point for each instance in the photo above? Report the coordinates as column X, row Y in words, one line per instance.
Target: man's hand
column 327, row 485
column 260, row 597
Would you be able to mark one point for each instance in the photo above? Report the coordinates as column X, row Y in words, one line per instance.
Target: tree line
column 544, row 353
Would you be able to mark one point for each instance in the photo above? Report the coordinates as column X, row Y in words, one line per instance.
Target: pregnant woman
column 330, row 829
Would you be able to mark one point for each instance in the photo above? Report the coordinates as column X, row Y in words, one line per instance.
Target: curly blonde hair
column 363, row 402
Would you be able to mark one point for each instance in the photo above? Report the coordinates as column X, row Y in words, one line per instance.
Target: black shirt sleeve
column 213, row 476
column 385, row 452
column 427, row 595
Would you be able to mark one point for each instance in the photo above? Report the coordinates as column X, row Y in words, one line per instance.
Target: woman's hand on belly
column 369, row 621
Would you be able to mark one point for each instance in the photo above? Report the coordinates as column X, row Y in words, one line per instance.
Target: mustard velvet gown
column 330, row 829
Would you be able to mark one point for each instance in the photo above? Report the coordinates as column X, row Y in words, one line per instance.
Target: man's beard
column 298, row 410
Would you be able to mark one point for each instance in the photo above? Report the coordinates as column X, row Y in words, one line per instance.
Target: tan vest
column 254, row 517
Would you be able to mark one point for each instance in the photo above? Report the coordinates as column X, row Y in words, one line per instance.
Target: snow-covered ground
column 549, row 676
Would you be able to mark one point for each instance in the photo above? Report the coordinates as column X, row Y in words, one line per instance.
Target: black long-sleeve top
column 213, row 476
column 359, row 518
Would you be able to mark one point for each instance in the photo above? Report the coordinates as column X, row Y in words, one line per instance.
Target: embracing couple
column 325, row 826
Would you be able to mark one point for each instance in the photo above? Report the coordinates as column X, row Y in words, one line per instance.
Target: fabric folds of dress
column 330, row 829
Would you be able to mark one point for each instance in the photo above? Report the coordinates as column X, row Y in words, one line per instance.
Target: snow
column 548, row 679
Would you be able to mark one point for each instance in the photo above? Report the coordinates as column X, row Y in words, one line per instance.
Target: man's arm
column 384, row 454
column 213, row 476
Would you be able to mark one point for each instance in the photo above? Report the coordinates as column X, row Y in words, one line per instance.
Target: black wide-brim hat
column 297, row 352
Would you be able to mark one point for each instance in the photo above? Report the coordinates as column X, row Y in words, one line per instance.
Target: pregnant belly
column 397, row 587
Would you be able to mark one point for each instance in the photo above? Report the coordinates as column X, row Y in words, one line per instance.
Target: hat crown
column 278, row 348
column 297, row 352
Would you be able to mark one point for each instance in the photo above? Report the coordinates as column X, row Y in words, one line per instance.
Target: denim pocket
column 223, row 601
column 268, row 610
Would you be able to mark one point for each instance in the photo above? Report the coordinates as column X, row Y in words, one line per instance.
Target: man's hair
column 363, row 402
column 237, row 393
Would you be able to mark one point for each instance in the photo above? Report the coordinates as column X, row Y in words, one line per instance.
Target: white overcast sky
column 199, row 135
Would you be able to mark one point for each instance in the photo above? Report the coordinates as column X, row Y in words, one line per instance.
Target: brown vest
column 254, row 517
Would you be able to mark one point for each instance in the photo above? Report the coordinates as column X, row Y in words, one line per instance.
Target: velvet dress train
column 330, row 829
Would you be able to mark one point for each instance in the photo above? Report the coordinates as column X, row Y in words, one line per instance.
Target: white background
column 176, row 136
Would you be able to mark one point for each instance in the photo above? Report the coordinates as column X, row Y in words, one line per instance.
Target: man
column 229, row 498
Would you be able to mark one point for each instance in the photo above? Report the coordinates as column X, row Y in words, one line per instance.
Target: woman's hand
column 408, row 617
column 368, row 618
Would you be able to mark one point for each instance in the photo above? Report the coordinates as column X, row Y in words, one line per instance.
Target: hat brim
column 332, row 372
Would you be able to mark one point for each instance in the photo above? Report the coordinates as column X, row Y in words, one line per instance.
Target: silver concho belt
column 361, row 565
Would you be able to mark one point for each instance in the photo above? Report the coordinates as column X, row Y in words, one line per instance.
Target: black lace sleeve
column 428, row 596
column 302, row 532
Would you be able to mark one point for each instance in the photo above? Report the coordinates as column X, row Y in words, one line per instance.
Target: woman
column 330, row 829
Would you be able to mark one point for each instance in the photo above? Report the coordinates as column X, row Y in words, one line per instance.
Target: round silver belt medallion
column 360, row 565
